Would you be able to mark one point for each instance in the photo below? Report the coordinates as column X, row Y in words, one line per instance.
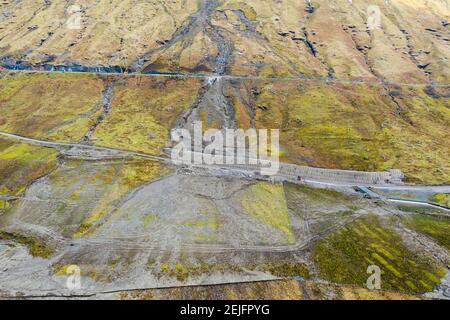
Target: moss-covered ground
column 36, row 247
column 442, row 199
column 143, row 111
column 184, row 271
column 21, row 164
column 270, row 290
column 344, row 256
column 49, row 105
column 358, row 127
column 267, row 204
column 436, row 227
column 121, row 179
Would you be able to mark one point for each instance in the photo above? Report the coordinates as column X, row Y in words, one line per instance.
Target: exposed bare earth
column 84, row 178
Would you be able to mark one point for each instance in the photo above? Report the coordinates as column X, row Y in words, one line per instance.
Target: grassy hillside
column 266, row 38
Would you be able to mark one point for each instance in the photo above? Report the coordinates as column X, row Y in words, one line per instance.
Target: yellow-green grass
column 204, row 220
column 344, row 256
column 280, row 289
column 265, row 290
column 204, row 225
column 271, row 290
column 143, row 110
column 21, row 164
column 441, row 198
column 148, row 219
column 267, row 204
column 105, row 271
column 48, row 105
column 411, row 208
column 98, row 272
column 4, row 204
column 35, row 247
column 183, row 271
column 322, row 196
column 247, row 10
column 61, row 270
column 121, row 179
column 358, row 127
column 435, row 227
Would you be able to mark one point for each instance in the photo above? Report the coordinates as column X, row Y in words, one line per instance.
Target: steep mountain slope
column 109, row 33
column 89, row 93
column 266, row 38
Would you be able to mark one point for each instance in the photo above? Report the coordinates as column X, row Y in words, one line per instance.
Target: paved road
column 249, row 77
column 419, row 203
column 249, row 173
column 435, row 189
column 62, row 145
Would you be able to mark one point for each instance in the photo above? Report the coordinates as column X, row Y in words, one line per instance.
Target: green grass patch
column 419, row 209
column 267, row 204
column 35, row 247
column 122, row 179
column 441, row 198
column 21, row 164
column 49, row 105
column 344, row 256
column 148, row 219
column 321, row 195
column 142, row 113
column 437, row 228
column 355, row 127
column 182, row 272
